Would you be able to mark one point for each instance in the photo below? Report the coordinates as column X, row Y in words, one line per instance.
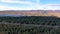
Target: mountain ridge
column 33, row 12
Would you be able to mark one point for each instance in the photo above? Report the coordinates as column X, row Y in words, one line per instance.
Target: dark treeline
column 42, row 20
column 20, row 29
column 36, row 20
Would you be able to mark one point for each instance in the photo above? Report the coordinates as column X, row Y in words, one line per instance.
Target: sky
column 29, row 4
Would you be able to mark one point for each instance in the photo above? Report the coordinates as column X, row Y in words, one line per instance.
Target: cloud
column 15, row 8
column 16, row 1
column 7, row 8
column 46, row 6
column 51, row 7
column 31, row 5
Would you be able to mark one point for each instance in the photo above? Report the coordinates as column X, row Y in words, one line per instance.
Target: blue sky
column 29, row 4
column 50, row 1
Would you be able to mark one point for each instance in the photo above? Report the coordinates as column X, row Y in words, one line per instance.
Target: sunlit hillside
column 33, row 12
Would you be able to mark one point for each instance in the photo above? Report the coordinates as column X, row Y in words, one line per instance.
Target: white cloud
column 16, row 1
column 7, row 8
column 51, row 7
column 32, row 6
column 14, row 8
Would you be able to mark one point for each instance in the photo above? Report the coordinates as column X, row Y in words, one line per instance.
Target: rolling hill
column 32, row 12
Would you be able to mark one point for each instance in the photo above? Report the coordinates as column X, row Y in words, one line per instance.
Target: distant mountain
column 30, row 13
column 13, row 15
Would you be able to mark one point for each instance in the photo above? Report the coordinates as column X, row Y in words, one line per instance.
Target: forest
column 30, row 25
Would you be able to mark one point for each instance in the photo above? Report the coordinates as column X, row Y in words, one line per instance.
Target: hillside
column 33, row 12
column 30, row 25
column 32, row 22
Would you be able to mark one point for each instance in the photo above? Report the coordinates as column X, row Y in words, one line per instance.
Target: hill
column 32, row 12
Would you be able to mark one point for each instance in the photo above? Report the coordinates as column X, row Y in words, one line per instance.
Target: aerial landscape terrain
column 30, row 22
column 29, row 16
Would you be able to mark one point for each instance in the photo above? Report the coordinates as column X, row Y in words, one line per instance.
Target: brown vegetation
column 33, row 12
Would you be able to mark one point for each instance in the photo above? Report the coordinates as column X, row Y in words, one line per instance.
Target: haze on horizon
column 29, row 4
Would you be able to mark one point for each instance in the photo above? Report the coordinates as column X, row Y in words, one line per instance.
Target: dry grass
column 32, row 13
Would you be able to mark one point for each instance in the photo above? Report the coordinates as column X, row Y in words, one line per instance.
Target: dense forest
column 39, row 20
column 30, row 25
